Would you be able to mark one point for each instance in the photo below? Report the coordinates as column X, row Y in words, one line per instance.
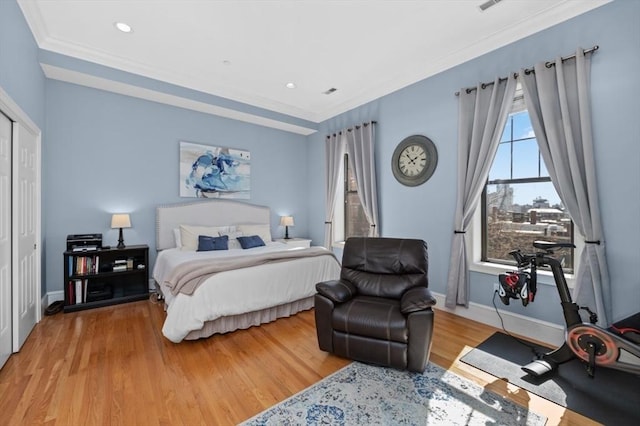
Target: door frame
column 15, row 113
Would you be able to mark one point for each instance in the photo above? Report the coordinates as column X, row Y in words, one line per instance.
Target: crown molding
column 87, row 80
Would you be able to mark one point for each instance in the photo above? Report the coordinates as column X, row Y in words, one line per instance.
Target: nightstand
column 295, row 242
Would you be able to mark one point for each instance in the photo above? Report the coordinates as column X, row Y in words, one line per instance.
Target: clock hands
column 412, row 160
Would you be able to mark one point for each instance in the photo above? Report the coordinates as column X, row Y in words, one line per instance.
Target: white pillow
column 189, row 234
column 233, row 242
column 176, row 236
column 262, row 230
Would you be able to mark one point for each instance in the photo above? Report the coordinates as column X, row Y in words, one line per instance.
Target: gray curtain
column 557, row 97
column 360, row 147
column 482, row 115
column 334, row 153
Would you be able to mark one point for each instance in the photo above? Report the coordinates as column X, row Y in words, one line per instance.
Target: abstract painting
column 214, row 172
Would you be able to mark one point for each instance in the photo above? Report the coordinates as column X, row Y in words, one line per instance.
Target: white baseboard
column 54, row 296
column 543, row 331
column 49, row 298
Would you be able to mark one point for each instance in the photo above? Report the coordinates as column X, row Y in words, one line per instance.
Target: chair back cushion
column 385, row 267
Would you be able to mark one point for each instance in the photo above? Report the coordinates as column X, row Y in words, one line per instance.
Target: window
column 519, row 202
column 355, row 220
column 349, row 219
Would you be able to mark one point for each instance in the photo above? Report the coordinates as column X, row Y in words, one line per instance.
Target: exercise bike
column 617, row 347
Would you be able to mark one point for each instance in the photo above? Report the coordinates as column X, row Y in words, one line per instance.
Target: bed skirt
column 249, row 319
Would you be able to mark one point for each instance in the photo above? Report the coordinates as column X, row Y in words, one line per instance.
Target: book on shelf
column 78, row 291
column 71, row 298
column 84, row 265
column 119, row 268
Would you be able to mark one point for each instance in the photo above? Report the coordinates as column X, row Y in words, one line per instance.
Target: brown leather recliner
column 379, row 311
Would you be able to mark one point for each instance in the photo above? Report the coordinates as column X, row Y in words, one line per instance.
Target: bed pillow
column 251, row 241
column 234, row 244
column 207, row 243
column 176, row 236
column 189, row 234
column 262, row 230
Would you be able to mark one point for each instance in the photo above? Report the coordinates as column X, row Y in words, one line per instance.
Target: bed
column 238, row 288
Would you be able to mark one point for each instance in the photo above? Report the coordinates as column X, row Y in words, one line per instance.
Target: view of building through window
column 355, row 220
column 520, row 203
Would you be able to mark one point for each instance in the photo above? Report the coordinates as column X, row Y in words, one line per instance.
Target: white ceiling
column 248, row 50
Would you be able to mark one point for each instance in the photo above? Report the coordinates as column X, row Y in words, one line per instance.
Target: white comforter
column 238, row 291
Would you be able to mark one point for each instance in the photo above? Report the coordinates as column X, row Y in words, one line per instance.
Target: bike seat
column 550, row 245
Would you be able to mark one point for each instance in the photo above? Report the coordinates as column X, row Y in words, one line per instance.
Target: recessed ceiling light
column 290, row 85
column 125, row 28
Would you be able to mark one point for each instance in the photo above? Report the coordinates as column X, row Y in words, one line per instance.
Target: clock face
column 414, row 160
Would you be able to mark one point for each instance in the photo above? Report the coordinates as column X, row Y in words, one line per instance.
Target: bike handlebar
column 542, row 258
column 550, row 245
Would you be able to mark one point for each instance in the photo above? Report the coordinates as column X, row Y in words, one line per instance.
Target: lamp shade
column 286, row 221
column 120, row 221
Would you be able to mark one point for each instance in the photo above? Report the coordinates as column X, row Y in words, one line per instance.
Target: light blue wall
column 430, row 108
column 110, row 153
column 20, row 75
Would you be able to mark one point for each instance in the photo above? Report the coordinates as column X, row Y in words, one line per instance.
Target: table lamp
column 120, row 221
column 286, row 221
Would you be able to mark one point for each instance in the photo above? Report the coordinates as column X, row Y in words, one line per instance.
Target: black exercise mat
column 612, row 397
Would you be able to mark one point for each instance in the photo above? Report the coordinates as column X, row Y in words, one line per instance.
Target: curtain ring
column 484, row 86
column 549, row 64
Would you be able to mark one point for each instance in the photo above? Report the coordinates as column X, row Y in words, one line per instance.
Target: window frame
column 476, row 232
column 476, row 264
column 341, row 212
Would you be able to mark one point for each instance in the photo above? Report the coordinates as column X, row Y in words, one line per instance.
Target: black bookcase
column 105, row 277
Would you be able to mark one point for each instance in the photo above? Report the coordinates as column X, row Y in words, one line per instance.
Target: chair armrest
column 338, row 291
column 416, row 299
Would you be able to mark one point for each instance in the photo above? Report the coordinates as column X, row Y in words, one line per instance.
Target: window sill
column 338, row 245
column 544, row 277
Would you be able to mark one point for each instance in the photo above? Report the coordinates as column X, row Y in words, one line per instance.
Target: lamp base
column 286, row 233
column 121, row 240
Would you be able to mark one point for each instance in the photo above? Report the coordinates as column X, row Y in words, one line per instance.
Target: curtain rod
column 351, row 128
column 527, row 71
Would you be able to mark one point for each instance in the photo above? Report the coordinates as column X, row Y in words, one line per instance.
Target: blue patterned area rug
column 361, row 394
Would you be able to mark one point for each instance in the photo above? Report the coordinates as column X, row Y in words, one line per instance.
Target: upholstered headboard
column 204, row 213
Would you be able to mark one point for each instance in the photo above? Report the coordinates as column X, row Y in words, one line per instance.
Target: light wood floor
column 113, row 366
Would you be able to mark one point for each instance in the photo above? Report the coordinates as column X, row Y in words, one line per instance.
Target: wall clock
column 414, row 160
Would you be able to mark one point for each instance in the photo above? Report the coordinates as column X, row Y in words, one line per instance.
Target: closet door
column 5, row 239
column 25, row 227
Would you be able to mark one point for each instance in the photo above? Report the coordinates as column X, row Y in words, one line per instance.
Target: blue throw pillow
column 206, row 243
column 250, row 241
